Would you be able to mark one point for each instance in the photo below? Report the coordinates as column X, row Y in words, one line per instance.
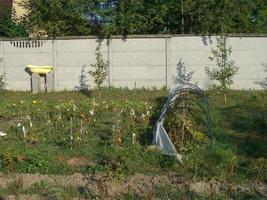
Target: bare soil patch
column 103, row 187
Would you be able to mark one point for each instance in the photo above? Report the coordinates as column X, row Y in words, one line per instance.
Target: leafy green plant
column 226, row 68
column 182, row 126
column 217, row 162
column 9, row 159
column 100, row 68
column 36, row 162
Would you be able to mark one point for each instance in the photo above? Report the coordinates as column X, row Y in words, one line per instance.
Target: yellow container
column 40, row 69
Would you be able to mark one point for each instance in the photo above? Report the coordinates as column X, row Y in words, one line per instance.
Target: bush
column 2, row 82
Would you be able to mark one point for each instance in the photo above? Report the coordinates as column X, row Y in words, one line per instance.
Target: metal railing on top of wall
column 28, row 44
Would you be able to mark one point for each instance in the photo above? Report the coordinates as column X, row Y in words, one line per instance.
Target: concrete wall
column 138, row 61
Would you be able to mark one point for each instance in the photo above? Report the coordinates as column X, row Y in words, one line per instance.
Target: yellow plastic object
column 40, row 69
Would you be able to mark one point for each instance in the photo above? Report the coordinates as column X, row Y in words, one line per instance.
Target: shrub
column 184, row 124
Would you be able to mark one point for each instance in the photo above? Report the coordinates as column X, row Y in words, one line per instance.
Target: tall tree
column 9, row 27
column 122, row 17
column 56, row 17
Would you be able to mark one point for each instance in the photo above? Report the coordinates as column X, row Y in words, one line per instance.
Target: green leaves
column 9, row 27
column 100, row 71
column 55, row 18
column 122, row 17
column 226, row 68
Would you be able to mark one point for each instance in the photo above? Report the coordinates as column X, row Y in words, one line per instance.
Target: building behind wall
column 18, row 9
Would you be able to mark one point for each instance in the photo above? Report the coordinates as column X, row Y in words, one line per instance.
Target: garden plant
column 109, row 132
column 100, row 68
column 225, row 69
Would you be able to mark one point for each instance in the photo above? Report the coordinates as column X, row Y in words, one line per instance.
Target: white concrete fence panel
column 138, row 61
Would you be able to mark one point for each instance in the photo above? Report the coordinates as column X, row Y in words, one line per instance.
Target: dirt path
column 103, row 187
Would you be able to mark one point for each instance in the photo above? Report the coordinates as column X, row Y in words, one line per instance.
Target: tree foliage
column 190, row 16
column 10, row 27
column 122, row 17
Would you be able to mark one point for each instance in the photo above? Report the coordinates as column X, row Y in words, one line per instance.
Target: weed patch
column 110, row 129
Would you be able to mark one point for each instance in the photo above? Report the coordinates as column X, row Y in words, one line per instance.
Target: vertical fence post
column 54, row 51
column 2, row 57
column 36, row 86
column 110, row 63
column 167, row 62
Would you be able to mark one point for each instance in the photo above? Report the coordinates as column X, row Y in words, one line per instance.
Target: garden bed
column 92, row 133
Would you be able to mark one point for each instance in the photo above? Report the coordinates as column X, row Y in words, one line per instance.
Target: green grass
column 97, row 126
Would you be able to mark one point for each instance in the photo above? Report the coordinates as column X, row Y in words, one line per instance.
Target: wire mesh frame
column 174, row 96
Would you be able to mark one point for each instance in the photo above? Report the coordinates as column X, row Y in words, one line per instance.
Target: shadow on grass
column 248, row 124
column 86, row 92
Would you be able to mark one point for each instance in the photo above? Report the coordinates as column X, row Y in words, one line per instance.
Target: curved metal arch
column 203, row 113
column 180, row 89
column 161, row 138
